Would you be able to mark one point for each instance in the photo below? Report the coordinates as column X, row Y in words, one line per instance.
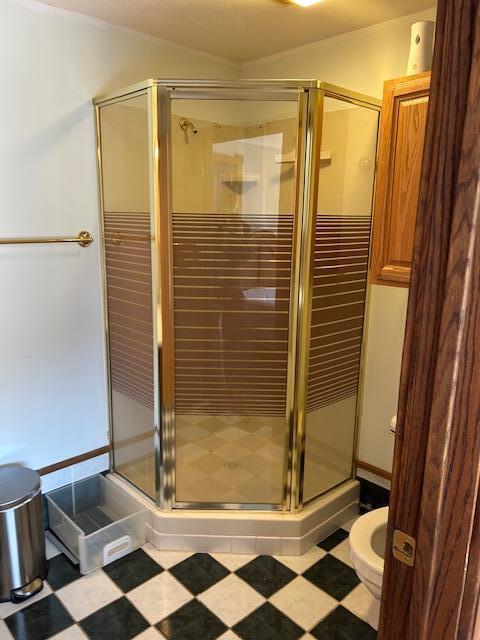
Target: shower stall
column 236, row 225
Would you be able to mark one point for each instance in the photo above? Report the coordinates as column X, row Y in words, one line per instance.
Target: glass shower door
column 340, row 268
column 124, row 140
column 233, row 202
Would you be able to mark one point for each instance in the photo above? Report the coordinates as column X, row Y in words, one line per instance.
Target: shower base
column 248, row 532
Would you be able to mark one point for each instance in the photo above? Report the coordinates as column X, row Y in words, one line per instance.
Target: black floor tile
column 268, row 623
column 40, row 620
column 337, row 536
column 333, row 576
column 372, row 496
column 343, row 625
column 133, row 570
column 61, row 572
column 266, row 575
column 119, row 620
column 192, row 622
column 199, row 572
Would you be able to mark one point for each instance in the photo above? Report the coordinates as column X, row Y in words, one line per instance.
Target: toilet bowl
column 367, row 551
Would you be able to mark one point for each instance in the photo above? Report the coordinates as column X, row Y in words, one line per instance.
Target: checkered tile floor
column 155, row 595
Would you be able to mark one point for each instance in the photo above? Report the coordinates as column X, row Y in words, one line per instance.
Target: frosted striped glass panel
column 233, row 204
column 129, row 292
column 339, row 289
column 340, row 267
column 232, row 288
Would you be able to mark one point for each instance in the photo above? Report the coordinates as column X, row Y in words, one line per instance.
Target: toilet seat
column 365, row 560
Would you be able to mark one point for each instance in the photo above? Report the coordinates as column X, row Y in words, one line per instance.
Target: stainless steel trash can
column 23, row 565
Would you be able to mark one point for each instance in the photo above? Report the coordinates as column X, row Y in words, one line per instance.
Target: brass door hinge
column 403, row 547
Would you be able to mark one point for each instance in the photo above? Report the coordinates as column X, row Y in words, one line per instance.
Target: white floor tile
column 342, row 552
column 229, row 635
column 358, row 601
column 233, row 561
column 72, row 633
column 7, row 608
column 159, row 597
column 301, row 601
column 299, row 564
column 4, row 632
column 166, row 559
column 150, row 634
column 231, row 599
column 88, row 594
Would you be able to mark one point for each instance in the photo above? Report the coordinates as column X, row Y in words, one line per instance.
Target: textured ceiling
column 242, row 30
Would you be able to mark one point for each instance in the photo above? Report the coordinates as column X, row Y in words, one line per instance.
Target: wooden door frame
column 435, row 482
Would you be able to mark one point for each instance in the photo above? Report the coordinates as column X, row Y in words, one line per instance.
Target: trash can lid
column 17, row 484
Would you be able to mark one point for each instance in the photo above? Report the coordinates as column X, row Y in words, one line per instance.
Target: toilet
column 367, row 551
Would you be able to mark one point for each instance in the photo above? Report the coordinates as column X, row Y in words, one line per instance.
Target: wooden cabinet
column 402, row 132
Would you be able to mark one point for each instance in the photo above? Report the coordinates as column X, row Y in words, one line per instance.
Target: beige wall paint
column 385, row 329
column 362, row 61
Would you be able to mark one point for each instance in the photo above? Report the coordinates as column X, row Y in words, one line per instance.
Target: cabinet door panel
column 402, row 135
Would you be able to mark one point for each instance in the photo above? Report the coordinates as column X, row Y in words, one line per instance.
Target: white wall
column 52, row 391
column 361, row 61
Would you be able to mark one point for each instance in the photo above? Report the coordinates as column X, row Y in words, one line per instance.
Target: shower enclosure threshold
column 250, row 532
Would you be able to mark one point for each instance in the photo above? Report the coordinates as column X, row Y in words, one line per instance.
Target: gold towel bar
column 84, row 239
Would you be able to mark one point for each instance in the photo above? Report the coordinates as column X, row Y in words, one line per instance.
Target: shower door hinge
column 403, row 547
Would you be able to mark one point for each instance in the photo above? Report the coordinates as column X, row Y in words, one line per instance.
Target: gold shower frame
column 309, row 95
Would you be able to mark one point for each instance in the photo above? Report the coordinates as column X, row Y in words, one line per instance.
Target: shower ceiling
column 242, row 30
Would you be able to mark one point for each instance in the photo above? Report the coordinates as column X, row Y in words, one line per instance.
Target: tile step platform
column 249, row 532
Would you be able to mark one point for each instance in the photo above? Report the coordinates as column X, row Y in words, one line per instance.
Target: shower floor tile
column 170, row 595
column 240, row 459
column 230, row 459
